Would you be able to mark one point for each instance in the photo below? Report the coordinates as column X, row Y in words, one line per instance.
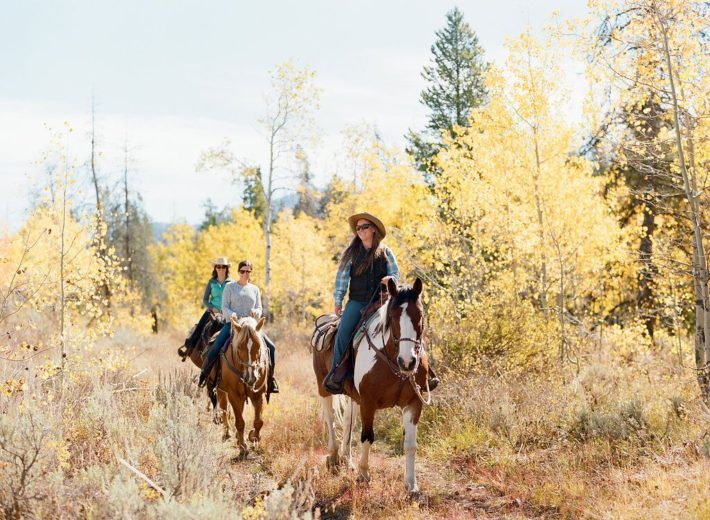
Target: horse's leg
column 221, row 413
column 410, row 418
column 329, row 419
column 238, row 407
column 352, row 409
column 367, row 415
column 258, row 402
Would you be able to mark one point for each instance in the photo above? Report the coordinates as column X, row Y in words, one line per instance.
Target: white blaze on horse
column 390, row 370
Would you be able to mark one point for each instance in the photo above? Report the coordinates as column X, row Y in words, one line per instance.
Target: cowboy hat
column 221, row 260
column 367, row 216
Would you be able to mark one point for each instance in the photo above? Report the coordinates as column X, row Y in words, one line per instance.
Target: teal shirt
column 212, row 298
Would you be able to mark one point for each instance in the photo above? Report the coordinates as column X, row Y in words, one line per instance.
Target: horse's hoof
column 253, row 436
column 363, row 477
column 332, row 462
column 415, row 494
column 347, row 463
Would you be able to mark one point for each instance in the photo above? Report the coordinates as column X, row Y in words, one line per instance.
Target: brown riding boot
column 433, row 379
column 334, row 381
column 272, row 385
column 205, row 372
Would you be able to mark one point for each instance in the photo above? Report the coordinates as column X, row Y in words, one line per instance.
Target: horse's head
column 405, row 320
column 248, row 346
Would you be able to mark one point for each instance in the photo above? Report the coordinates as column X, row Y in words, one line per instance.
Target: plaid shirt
column 342, row 278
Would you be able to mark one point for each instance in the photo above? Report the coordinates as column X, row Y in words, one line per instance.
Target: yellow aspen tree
column 538, row 225
column 659, row 49
column 303, row 265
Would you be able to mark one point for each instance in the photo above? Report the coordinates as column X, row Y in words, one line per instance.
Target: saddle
column 323, row 337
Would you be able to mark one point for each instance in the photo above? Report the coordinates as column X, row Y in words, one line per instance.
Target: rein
column 250, row 364
column 395, row 368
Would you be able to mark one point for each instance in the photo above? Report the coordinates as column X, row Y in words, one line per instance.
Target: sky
column 171, row 78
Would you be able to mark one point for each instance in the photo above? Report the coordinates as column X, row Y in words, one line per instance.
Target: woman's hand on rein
column 339, row 310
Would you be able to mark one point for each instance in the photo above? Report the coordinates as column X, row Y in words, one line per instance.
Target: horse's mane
column 405, row 293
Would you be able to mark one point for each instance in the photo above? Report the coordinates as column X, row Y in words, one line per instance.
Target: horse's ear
column 391, row 287
column 235, row 322
column 418, row 286
column 260, row 323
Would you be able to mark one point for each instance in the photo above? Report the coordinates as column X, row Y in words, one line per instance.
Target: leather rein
column 243, row 374
column 394, row 367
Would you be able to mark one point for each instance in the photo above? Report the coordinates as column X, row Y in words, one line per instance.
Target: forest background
column 566, row 294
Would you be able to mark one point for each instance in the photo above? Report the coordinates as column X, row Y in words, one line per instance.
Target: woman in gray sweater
column 241, row 298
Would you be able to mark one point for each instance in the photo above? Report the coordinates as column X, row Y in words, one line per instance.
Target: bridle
column 394, row 367
column 417, row 346
column 249, row 367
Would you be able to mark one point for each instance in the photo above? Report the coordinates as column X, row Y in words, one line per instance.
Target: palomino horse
column 245, row 368
column 390, row 369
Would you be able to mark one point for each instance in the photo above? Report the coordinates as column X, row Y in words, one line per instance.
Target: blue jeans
column 348, row 322
column 219, row 343
column 222, row 339
column 192, row 340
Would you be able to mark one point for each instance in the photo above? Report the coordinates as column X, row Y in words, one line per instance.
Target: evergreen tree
column 455, row 79
column 308, row 195
column 213, row 215
column 253, row 198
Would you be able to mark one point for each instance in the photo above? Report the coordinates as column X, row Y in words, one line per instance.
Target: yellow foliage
column 303, row 269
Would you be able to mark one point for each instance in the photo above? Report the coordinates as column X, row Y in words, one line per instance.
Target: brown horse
column 245, row 369
column 390, row 369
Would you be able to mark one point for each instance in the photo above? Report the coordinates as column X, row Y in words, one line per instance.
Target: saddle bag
column 324, row 334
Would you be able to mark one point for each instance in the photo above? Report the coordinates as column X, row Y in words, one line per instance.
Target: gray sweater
column 241, row 300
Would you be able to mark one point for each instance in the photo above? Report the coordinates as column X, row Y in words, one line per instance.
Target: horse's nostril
column 406, row 365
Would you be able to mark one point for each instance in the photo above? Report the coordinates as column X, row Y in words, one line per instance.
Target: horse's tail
column 341, row 403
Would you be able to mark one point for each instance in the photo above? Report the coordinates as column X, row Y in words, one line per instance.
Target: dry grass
column 614, row 439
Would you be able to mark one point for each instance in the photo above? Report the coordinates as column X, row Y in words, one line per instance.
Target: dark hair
column 214, row 273
column 245, row 263
column 362, row 258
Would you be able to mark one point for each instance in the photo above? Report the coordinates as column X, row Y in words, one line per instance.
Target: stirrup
column 202, row 381
column 272, row 386
column 332, row 385
column 204, row 375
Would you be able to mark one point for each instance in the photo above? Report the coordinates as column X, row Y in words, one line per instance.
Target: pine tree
column 253, row 198
column 455, row 79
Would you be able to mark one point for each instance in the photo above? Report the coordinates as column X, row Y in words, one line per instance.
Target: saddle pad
column 360, row 332
column 228, row 342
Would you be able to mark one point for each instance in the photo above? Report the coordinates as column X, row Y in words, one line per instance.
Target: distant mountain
column 159, row 229
column 287, row 201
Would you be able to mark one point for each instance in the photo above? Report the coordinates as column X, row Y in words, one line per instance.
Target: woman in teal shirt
column 212, row 299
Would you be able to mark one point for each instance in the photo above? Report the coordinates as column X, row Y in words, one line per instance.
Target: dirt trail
column 293, row 450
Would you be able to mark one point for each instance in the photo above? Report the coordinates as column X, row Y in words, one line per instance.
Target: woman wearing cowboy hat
column 212, row 300
column 365, row 262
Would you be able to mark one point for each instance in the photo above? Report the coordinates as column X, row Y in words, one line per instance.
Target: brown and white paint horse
column 390, row 369
column 245, row 369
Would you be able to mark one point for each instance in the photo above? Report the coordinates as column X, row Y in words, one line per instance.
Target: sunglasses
column 363, row 226
column 245, row 271
column 220, row 267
